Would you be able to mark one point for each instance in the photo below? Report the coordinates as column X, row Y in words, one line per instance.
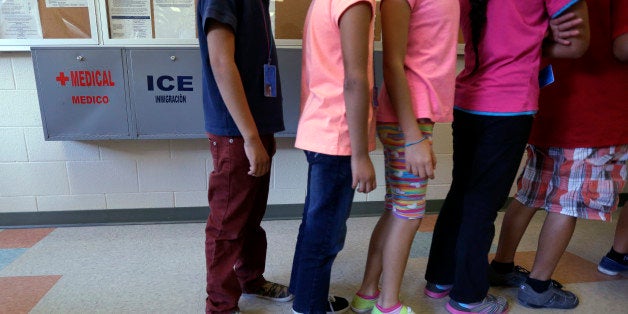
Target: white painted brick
column 460, row 63
column 13, row 145
column 134, row 149
column 18, row 204
column 41, row 150
column 31, row 179
column 194, row 148
column 289, row 169
column 379, row 148
column 140, row 200
column 286, row 196
column 71, row 202
column 209, row 167
column 285, row 143
column 380, row 169
column 157, row 175
column 6, row 73
column 190, row 199
column 19, row 108
column 378, row 194
column 24, row 72
column 360, row 197
column 437, row 191
column 92, row 177
column 444, row 164
column 443, row 139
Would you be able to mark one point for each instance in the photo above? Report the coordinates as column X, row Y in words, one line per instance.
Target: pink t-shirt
column 430, row 62
column 506, row 83
column 323, row 124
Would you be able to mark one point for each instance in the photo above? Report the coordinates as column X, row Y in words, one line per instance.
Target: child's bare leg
column 373, row 268
column 620, row 244
column 396, row 250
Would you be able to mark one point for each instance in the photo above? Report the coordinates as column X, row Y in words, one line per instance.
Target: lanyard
column 265, row 28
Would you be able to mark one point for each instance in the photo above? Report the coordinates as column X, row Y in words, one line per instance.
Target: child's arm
column 573, row 24
column 354, row 35
column 221, row 44
column 620, row 47
column 395, row 22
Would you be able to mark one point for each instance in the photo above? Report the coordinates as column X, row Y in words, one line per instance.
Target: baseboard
column 175, row 215
column 162, row 215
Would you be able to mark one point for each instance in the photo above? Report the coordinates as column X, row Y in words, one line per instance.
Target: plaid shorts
column 405, row 192
column 579, row 182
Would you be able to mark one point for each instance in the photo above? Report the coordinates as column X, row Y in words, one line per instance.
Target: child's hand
column 420, row 160
column 564, row 27
column 363, row 173
column 259, row 162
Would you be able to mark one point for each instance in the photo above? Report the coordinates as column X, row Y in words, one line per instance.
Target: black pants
column 487, row 154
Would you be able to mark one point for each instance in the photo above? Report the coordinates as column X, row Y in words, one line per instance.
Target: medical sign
column 87, row 78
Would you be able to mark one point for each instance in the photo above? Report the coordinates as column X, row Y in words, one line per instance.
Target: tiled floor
column 160, row 268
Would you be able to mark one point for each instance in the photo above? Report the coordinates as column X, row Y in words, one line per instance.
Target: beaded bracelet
column 415, row 142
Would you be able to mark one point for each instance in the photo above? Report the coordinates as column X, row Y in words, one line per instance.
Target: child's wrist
column 408, row 144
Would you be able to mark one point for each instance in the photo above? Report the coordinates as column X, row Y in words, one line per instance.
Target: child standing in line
column 336, row 134
column 496, row 97
column 572, row 172
column 419, row 48
column 242, row 105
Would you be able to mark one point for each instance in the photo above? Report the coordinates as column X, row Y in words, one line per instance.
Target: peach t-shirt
column 430, row 62
column 323, row 124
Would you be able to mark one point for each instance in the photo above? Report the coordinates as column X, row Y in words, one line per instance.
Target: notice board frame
column 60, row 26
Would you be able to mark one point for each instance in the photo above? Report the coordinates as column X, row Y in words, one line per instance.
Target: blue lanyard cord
column 265, row 28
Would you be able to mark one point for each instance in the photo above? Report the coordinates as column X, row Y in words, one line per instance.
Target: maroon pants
column 235, row 243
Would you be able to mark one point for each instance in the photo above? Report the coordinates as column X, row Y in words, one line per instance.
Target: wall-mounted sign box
column 98, row 93
column 165, row 92
column 82, row 93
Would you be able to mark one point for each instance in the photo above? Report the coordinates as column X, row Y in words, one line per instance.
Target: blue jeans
column 487, row 153
column 322, row 231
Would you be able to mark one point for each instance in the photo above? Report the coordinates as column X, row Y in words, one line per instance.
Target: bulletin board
column 25, row 23
column 149, row 22
column 289, row 17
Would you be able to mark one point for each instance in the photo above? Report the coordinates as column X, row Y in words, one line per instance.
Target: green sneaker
column 402, row 309
column 363, row 305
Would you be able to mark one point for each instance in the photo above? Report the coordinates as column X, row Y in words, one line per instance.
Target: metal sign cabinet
column 165, row 92
column 82, row 93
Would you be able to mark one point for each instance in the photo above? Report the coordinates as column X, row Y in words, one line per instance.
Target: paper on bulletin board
column 174, row 18
column 65, row 22
column 130, row 19
column 290, row 17
column 66, row 3
column 19, row 19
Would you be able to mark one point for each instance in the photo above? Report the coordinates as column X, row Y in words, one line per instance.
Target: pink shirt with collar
column 506, row 83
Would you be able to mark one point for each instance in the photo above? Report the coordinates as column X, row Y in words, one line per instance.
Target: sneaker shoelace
column 525, row 272
column 331, row 300
column 272, row 289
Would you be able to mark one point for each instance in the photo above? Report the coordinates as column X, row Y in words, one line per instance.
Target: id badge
column 546, row 76
column 270, row 80
column 375, row 93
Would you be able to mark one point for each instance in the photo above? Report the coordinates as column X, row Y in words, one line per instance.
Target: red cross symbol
column 62, row 79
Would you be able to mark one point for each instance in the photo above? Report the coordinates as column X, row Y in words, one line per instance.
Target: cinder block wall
column 36, row 175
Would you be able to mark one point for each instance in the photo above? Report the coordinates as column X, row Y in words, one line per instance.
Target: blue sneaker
column 610, row 267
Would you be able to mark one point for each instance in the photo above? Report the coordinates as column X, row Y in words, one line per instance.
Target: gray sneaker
column 511, row 279
column 554, row 298
column 490, row 305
